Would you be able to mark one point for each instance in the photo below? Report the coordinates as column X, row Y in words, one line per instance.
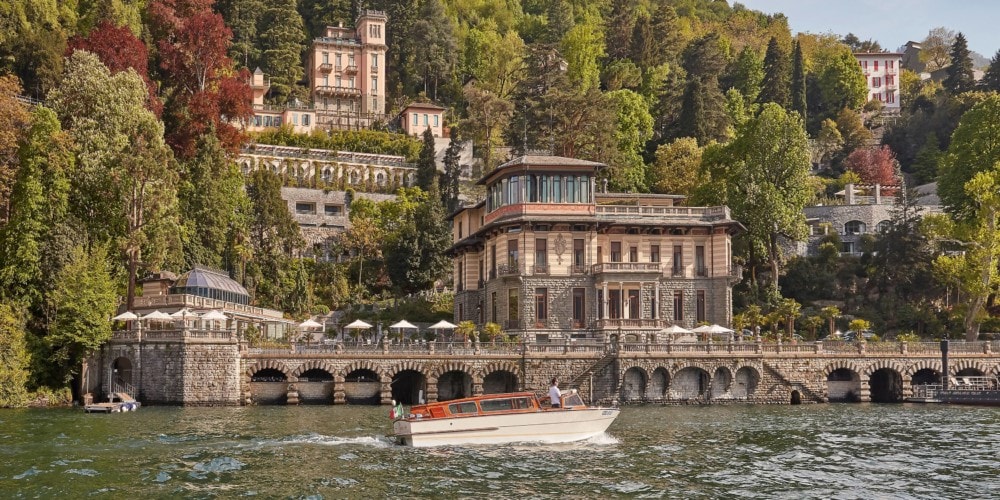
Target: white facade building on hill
column 881, row 70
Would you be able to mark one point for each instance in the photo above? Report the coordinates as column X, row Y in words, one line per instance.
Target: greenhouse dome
column 211, row 284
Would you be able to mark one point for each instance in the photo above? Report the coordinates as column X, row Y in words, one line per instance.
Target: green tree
column 243, row 17
column 634, row 126
column 798, row 86
column 765, row 171
column 776, row 85
column 318, row 14
column 618, row 30
column 842, row 84
column 975, row 271
column 676, row 169
column 40, row 202
column 959, row 77
column 975, row 147
column 496, row 61
column 828, row 142
column 14, row 119
column 830, row 313
column 488, row 116
column 274, row 238
column 991, row 79
column 125, row 186
column 435, row 47
column 83, row 301
column 583, row 48
column 427, row 173
column 747, row 74
column 210, row 195
column 559, row 17
column 281, row 40
column 14, row 357
column 703, row 109
column 452, row 171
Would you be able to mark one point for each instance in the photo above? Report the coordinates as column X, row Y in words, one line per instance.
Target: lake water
column 810, row 451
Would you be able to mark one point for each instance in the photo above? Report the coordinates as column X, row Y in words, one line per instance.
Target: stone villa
column 546, row 256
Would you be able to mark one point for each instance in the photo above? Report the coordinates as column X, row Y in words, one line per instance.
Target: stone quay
column 217, row 367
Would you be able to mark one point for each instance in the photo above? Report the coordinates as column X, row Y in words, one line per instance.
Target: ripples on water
column 814, row 451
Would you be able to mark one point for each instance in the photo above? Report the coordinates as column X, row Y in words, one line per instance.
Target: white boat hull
column 548, row 426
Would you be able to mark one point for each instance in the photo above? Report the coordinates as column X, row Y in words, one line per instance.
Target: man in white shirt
column 555, row 395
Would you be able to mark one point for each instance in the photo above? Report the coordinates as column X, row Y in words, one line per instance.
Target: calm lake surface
column 812, row 451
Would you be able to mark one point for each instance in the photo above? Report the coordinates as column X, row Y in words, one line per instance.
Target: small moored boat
column 502, row 418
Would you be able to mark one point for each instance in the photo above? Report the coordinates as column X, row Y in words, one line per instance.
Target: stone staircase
column 598, row 392
column 807, row 393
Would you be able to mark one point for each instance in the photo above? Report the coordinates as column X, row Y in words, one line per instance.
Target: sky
column 892, row 22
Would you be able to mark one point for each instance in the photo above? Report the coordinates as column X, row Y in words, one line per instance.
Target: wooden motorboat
column 502, row 418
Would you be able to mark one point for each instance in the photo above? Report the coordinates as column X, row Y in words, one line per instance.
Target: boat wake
column 323, row 440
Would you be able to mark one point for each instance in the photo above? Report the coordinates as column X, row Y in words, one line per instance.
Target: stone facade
column 546, row 257
column 222, row 371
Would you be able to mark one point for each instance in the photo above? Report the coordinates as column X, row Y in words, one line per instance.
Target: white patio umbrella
column 309, row 323
column 442, row 325
column 184, row 314
column 214, row 315
column 125, row 316
column 157, row 316
column 676, row 330
column 403, row 324
column 358, row 325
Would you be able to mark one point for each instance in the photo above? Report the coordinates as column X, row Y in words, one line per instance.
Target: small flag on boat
column 396, row 411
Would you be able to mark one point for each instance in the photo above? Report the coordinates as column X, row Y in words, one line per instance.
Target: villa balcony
column 325, row 68
column 701, row 271
column 374, row 70
column 578, row 269
column 509, row 270
column 350, row 69
column 627, row 267
column 541, row 269
column 338, row 91
column 616, row 323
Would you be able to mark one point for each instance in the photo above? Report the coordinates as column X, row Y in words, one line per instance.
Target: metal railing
column 626, row 267
column 542, row 269
column 712, row 213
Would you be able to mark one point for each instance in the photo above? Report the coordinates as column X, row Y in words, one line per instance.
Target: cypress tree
column 452, row 171
column 426, row 166
column 959, row 77
column 798, row 82
column 776, row 76
column 991, row 80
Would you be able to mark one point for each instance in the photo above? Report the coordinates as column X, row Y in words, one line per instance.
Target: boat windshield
column 459, row 408
column 505, row 404
column 572, row 400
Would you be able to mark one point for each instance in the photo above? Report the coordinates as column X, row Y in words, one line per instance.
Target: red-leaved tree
column 119, row 49
column 204, row 91
column 875, row 165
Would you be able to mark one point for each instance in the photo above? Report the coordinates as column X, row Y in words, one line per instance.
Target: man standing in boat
column 555, row 395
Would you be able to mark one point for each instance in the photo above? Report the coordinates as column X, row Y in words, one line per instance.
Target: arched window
column 380, row 179
column 883, row 227
column 854, row 227
column 327, row 174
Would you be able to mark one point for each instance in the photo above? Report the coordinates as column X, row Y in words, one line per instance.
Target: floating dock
column 124, row 403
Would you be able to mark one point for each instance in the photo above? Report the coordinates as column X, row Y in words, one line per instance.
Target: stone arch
column 690, row 382
column 722, row 382
column 957, row 365
column 269, row 364
column 745, row 381
column 885, row 381
column 365, row 364
column 634, row 380
column 317, row 364
column 408, row 365
column 492, row 379
column 846, row 381
column 920, row 365
column 689, row 364
column 883, row 364
column 451, row 366
column 658, row 384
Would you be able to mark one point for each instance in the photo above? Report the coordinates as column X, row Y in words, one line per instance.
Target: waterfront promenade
column 211, row 367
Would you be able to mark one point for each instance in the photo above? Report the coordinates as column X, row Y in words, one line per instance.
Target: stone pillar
column 386, row 393
column 604, row 301
column 656, row 301
column 432, row 390
column 339, row 396
column 293, row 394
